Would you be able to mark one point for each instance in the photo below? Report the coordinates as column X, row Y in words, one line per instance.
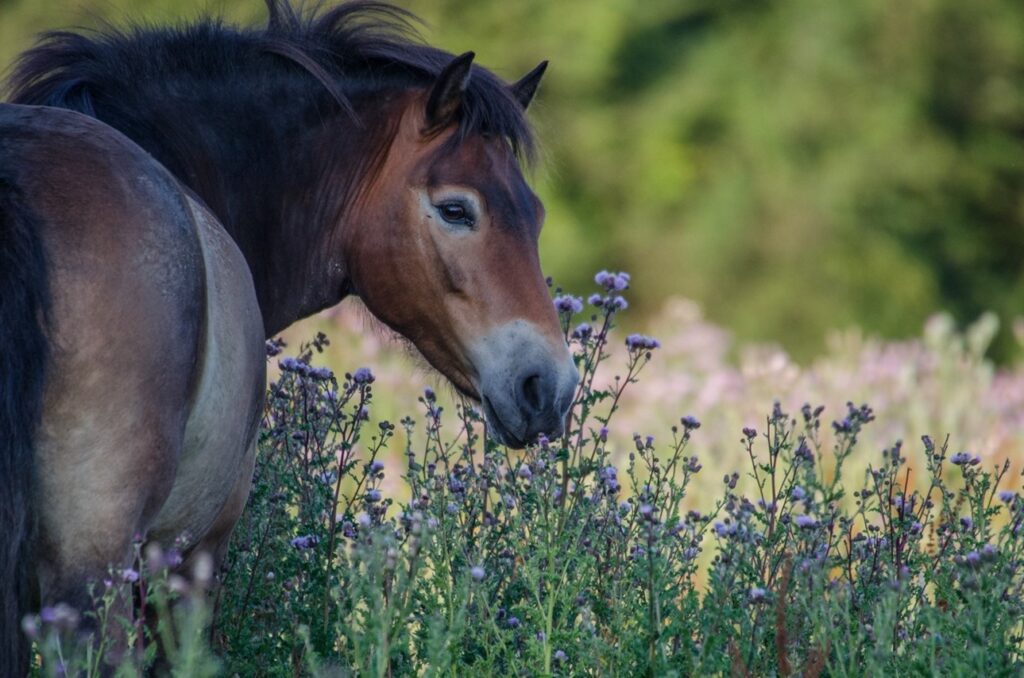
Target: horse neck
column 279, row 172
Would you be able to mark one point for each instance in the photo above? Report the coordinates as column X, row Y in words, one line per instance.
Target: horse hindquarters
column 127, row 282
column 24, row 302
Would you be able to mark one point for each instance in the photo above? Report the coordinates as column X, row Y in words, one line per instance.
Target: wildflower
column 973, row 559
column 305, row 542
column 373, row 496
column 603, row 434
column 693, row 465
column 376, row 466
column 647, row 511
column 803, row 452
column 292, row 365
column 960, row 458
column 805, row 521
column 512, row 622
column 690, row 423
column 798, row 493
column 636, row 342
column 525, row 473
column 625, row 507
column 363, row 376
column 749, row 432
column 560, row 656
column 363, row 519
column 617, row 304
column 173, row 558
column 1007, row 496
column 724, row 529
column 915, row 527
column 477, row 572
column 321, row 373
column 129, row 576
column 989, row 552
column 582, row 332
column 966, row 522
column 757, row 594
column 613, row 282
column 595, row 300
column 567, row 303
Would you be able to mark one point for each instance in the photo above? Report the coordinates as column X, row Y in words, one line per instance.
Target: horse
column 170, row 197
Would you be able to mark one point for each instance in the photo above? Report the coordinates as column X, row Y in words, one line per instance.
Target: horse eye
column 455, row 213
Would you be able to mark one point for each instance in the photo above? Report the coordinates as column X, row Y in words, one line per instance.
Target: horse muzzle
column 526, row 382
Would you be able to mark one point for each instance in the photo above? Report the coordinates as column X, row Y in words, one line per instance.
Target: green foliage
column 554, row 561
column 862, row 157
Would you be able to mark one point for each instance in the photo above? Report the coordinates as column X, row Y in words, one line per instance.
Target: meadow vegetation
column 417, row 546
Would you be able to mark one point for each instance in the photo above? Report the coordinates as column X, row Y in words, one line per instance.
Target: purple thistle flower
column 640, row 342
column 129, row 576
column 290, row 364
column 973, row 559
column 596, row 300
column 477, row 572
column 512, row 622
column 805, row 521
column 567, row 303
column 725, row 530
column 560, row 656
column 690, row 423
column 618, row 303
column 749, row 432
column 376, row 466
column 363, row 376
column 363, row 519
column 960, row 458
column 305, row 542
column 603, row 434
column 916, row 527
column 647, row 511
column 757, row 594
column 1007, row 496
column 989, row 552
column 525, row 473
column 373, row 496
column 582, row 331
column 321, row 373
column 966, row 522
column 798, row 493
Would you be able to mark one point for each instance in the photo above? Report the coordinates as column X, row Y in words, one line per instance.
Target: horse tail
column 24, row 349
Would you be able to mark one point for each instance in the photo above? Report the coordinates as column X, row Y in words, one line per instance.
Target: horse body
column 155, row 327
column 209, row 187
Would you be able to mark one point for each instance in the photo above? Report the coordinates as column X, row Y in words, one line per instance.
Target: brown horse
column 171, row 197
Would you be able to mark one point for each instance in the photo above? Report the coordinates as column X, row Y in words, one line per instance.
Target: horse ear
column 446, row 95
column 527, row 85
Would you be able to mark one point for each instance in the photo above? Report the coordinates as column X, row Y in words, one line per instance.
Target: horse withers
column 171, row 197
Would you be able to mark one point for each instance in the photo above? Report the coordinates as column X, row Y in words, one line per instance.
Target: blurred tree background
column 792, row 165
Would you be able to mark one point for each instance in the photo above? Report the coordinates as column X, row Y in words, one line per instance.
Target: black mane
column 357, row 45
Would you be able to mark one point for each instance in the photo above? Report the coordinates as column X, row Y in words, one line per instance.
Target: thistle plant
column 424, row 548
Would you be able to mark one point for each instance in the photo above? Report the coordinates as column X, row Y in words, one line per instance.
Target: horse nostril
column 531, row 392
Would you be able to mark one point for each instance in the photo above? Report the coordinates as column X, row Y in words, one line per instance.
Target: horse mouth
column 505, row 434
